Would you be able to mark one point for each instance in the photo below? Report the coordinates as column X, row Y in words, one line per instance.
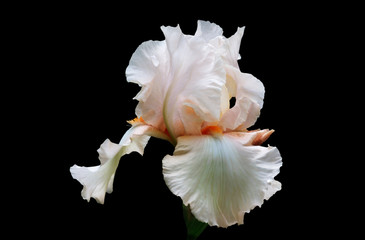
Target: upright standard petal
column 149, row 68
column 249, row 93
column 197, row 78
column 98, row 180
column 182, row 80
column 220, row 177
column 227, row 48
column 233, row 45
column 208, row 30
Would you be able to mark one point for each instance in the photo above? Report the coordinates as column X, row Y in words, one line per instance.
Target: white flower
column 218, row 168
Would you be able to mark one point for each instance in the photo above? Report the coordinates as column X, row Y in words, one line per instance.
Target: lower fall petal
column 272, row 188
column 98, row 180
column 220, row 178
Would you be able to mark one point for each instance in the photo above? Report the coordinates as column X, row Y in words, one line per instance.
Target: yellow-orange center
column 212, row 130
column 136, row 120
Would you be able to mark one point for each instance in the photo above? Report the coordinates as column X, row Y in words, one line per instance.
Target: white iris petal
column 98, row 180
column 249, row 93
column 149, row 68
column 208, row 30
column 219, row 178
column 197, row 78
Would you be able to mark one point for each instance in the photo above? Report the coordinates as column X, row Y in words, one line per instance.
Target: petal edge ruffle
column 219, row 178
column 98, row 180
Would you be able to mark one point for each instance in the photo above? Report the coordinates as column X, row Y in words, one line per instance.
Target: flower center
column 212, row 130
column 136, row 121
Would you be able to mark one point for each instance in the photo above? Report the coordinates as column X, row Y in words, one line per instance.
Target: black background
column 85, row 50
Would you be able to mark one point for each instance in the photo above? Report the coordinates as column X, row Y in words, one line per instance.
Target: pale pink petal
column 227, row 48
column 249, row 94
column 183, row 74
column 149, row 68
column 197, row 79
column 248, row 138
column 224, row 100
column 234, row 43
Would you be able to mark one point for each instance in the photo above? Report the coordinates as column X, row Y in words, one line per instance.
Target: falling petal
column 220, row 178
column 98, row 180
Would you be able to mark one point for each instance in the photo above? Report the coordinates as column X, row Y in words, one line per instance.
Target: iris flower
column 219, row 168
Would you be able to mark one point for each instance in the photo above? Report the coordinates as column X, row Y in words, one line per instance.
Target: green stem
column 193, row 226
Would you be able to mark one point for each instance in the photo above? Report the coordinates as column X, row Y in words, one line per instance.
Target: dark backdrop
column 86, row 49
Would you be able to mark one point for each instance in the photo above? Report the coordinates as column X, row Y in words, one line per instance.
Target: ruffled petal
column 197, row 79
column 98, row 180
column 249, row 93
column 272, row 188
column 208, row 30
column 149, row 68
column 234, row 43
column 227, row 48
column 222, row 177
column 181, row 78
column 184, row 78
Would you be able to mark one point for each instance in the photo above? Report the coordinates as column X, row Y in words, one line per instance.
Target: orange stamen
column 212, row 130
column 136, row 121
